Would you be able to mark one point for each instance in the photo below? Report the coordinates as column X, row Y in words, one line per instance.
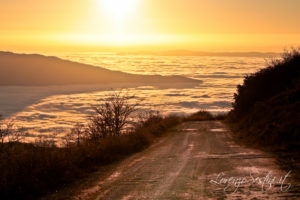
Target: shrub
column 111, row 117
column 266, row 110
column 28, row 171
column 203, row 115
column 281, row 75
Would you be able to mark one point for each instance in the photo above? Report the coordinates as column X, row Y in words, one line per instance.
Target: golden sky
column 203, row 25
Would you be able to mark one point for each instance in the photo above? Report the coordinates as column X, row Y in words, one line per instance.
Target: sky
column 201, row 25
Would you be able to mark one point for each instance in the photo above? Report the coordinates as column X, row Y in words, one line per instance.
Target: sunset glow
column 148, row 24
column 149, row 99
column 118, row 11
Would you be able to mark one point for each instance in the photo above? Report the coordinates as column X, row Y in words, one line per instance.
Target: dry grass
column 30, row 170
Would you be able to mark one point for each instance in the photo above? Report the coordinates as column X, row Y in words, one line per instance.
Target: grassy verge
column 29, row 171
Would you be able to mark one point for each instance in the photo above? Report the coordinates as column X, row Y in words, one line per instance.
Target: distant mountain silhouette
column 39, row 70
column 202, row 53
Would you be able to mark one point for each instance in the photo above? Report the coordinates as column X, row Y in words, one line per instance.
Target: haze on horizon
column 202, row 25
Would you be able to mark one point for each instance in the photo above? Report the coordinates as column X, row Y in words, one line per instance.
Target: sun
column 118, row 10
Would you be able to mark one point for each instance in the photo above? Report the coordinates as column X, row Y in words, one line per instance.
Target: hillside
column 38, row 70
column 266, row 111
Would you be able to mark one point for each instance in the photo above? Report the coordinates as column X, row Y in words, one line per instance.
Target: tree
column 8, row 133
column 75, row 136
column 111, row 117
column 4, row 130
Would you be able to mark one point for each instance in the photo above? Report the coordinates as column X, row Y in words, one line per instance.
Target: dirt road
column 198, row 161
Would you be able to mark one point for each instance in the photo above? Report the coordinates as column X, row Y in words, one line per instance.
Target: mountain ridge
column 40, row 70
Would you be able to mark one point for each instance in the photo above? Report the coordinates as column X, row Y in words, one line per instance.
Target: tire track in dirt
column 183, row 165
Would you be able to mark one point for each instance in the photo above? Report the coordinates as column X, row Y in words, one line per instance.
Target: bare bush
column 146, row 116
column 111, row 117
column 5, row 130
column 75, row 136
column 9, row 133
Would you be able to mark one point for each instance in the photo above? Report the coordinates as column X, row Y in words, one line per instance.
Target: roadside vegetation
column 116, row 129
column 30, row 170
column 266, row 109
column 204, row 115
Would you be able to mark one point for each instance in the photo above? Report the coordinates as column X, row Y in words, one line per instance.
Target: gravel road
column 197, row 161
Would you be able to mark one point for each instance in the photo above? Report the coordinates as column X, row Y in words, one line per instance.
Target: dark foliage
column 203, row 115
column 279, row 76
column 266, row 111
